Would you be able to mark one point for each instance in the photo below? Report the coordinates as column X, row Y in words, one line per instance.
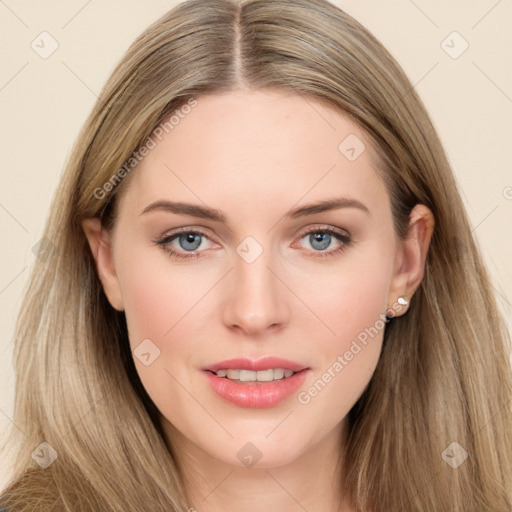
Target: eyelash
column 168, row 238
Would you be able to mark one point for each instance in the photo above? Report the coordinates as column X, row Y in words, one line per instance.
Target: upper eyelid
column 178, row 231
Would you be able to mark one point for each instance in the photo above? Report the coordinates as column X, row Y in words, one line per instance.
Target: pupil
column 322, row 238
column 190, row 238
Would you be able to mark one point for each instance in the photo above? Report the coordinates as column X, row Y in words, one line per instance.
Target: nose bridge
column 257, row 300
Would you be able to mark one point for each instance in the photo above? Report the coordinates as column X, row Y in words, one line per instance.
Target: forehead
column 264, row 147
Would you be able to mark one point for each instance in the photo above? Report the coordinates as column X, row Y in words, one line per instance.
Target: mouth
column 256, row 384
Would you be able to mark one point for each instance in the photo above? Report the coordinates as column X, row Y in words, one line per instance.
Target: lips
column 256, row 394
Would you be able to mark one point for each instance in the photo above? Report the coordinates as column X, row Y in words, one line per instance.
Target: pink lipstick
column 256, row 384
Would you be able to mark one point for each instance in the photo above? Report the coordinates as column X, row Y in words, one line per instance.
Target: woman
column 263, row 288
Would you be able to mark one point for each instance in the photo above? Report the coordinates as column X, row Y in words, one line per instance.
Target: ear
column 101, row 248
column 410, row 259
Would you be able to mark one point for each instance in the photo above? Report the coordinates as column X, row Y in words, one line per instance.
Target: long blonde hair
column 444, row 374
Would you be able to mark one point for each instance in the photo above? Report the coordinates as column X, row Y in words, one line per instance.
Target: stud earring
column 403, row 301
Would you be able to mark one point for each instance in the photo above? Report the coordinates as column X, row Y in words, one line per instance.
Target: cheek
column 161, row 303
column 156, row 294
column 348, row 359
column 352, row 307
column 350, row 297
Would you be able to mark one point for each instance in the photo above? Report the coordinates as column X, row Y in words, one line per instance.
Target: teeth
column 247, row 375
column 252, row 376
column 233, row 374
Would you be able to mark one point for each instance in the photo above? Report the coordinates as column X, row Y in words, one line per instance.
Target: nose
column 256, row 299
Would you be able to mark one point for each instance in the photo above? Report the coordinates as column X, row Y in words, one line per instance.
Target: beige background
column 45, row 101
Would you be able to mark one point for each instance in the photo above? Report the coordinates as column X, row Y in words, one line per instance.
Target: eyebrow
column 206, row 212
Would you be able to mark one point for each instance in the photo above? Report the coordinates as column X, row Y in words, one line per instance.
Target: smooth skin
column 255, row 155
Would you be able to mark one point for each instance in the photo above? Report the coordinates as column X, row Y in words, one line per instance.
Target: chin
column 259, row 452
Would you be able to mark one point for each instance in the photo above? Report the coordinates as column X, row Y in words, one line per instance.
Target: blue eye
column 320, row 238
column 188, row 241
column 323, row 239
column 190, row 238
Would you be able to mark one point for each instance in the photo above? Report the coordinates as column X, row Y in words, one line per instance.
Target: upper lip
column 261, row 364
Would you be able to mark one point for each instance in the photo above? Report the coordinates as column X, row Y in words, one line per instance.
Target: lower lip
column 256, row 395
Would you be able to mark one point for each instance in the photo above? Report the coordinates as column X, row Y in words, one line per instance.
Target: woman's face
column 251, row 279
